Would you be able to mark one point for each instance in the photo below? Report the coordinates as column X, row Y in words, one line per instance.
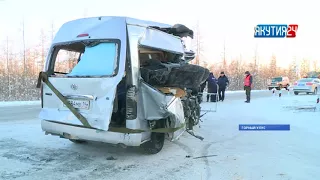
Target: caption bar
column 264, row 127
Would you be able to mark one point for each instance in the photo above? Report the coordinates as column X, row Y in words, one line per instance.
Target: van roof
column 98, row 27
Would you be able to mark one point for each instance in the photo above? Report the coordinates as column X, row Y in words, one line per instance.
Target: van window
column 65, row 61
column 80, row 60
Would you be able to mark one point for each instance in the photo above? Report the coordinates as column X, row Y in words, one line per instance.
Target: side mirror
column 189, row 55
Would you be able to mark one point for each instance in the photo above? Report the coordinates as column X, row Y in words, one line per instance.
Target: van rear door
column 86, row 73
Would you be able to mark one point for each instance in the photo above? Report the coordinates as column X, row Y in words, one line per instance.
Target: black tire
column 269, row 88
column 77, row 141
column 315, row 91
column 155, row 145
column 287, row 87
column 296, row 93
column 156, row 142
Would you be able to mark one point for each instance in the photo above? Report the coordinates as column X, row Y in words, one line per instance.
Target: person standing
column 223, row 82
column 248, row 85
column 212, row 88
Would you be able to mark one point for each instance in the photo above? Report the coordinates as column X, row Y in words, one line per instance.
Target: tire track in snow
column 184, row 147
column 205, row 151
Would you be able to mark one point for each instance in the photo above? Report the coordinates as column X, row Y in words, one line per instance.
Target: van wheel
column 156, row 142
column 315, row 91
column 269, row 88
column 296, row 93
column 77, row 141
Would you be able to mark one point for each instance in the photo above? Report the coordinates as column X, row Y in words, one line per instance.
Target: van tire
column 77, row 141
column 155, row 145
column 287, row 87
column 315, row 91
column 296, row 93
column 156, row 142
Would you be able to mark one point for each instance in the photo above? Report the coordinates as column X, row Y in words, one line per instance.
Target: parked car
column 279, row 83
column 306, row 85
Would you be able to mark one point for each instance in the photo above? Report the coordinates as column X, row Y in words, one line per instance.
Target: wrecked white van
column 122, row 81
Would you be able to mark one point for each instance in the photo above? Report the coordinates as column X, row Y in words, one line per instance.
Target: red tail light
column 309, row 84
column 83, row 35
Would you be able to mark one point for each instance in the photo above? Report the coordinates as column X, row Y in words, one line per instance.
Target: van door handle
column 48, row 94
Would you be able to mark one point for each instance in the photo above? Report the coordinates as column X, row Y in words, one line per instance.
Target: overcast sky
column 229, row 21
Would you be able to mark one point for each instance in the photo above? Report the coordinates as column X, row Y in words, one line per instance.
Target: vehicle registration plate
column 79, row 104
column 301, row 84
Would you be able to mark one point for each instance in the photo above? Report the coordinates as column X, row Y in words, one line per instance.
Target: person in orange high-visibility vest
column 247, row 85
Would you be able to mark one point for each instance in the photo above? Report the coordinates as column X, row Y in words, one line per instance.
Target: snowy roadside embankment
column 18, row 103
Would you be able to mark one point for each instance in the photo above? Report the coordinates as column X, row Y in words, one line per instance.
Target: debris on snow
column 111, row 158
column 204, row 156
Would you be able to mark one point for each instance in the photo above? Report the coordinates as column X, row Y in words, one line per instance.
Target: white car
column 307, row 85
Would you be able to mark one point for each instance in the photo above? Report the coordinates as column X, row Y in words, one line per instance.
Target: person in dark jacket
column 223, row 82
column 247, row 85
column 212, row 88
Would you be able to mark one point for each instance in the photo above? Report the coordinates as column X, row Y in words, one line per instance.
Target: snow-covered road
column 27, row 154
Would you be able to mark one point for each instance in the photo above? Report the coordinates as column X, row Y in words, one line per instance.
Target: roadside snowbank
column 18, row 103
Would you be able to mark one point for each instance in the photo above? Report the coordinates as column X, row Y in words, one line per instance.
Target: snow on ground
column 242, row 91
column 27, row 154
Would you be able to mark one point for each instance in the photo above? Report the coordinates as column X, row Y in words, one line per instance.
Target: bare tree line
column 19, row 71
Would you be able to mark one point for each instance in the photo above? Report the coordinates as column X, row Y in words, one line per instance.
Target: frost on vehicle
column 129, row 79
